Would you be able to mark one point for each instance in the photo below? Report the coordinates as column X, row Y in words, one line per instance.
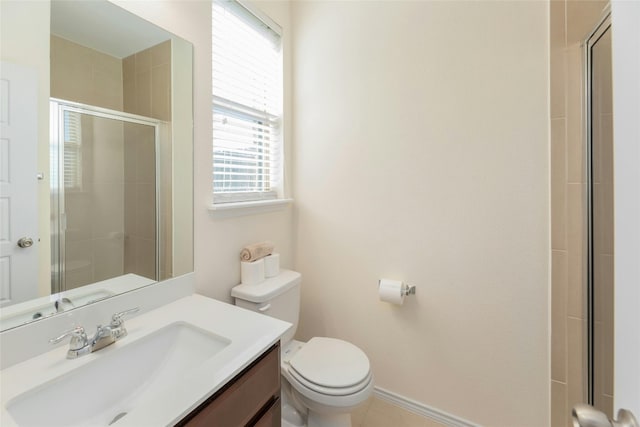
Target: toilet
column 324, row 379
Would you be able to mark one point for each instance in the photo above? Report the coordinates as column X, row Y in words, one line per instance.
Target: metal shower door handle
column 25, row 242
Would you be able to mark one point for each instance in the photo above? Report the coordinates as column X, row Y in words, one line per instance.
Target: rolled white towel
column 256, row 251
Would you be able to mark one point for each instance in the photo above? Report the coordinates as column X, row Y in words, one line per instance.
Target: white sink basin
column 104, row 390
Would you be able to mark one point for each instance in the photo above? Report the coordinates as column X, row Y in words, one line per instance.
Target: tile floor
column 379, row 413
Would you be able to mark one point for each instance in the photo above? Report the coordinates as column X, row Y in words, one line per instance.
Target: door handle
column 25, row 242
column 587, row 416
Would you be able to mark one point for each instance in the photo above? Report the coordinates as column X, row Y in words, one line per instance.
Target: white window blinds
column 72, row 153
column 247, row 98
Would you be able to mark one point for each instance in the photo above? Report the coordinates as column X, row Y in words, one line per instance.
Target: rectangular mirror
column 97, row 143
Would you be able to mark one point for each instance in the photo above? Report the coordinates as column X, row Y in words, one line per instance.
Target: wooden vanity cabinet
column 251, row 398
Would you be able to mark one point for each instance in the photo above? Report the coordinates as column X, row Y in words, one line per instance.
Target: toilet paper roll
column 391, row 291
column 252, row 273
column 271, row 265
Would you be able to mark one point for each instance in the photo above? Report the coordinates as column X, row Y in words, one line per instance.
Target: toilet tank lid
column 268, row 289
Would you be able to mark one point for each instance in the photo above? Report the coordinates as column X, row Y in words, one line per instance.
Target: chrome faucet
column 80, row 344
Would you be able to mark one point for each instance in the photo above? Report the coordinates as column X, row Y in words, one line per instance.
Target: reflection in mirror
column 105, row 188
column 118, row 143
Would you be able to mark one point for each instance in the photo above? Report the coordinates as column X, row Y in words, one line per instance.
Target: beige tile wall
column 570, row 23
column 147, row 82
column 140, row 200
column 84, row 75
column 147, row 92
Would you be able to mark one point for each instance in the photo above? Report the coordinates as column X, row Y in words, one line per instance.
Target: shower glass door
column 103, row 195
column 601, row 231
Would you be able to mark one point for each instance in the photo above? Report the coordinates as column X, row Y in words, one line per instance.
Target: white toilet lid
column 330, row 362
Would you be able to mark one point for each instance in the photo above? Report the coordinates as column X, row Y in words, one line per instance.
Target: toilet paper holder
column 408, row 289
column 405, row 289
column 394, row 291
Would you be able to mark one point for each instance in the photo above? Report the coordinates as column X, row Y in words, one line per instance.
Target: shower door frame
column 600, row 29
column 57, row 194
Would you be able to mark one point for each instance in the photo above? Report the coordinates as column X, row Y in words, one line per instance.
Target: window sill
column 229, row 210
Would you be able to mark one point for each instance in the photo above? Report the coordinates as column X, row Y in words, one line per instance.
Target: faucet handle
column 117, row 324
column 78, row 338
column 116, row 319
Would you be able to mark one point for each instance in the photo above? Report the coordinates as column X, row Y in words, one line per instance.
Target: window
column 247, row 105
column 72, row 151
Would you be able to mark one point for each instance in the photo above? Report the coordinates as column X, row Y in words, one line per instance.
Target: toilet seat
column 330, row 366
column 326, row 400
column 329, row 391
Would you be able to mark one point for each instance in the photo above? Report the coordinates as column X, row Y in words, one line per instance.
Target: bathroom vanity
column 192, row 362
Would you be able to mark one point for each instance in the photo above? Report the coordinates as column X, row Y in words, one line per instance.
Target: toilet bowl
column 325, row 378
column 328, row 377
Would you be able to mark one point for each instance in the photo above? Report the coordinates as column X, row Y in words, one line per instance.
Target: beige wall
column 421, row 154
column 24, row 40
column 570, row 23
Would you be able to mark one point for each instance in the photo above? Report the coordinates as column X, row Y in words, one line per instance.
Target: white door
column 18, row 183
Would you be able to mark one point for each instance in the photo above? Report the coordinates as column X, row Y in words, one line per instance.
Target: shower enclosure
column 600, row 230
column 104, row 195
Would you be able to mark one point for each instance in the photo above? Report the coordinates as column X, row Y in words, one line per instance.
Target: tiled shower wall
column 84, row 75
column 147, row 92
column 570, row 24
column 147, row 82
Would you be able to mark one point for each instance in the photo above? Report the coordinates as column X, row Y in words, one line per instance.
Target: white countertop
column 250, row 335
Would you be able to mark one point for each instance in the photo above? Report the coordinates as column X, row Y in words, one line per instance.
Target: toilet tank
column 277, row 297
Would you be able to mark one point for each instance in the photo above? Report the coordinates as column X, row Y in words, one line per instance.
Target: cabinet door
column 271, row 418
column 240, row 402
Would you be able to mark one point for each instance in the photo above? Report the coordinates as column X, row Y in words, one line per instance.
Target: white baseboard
column 421, row 409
